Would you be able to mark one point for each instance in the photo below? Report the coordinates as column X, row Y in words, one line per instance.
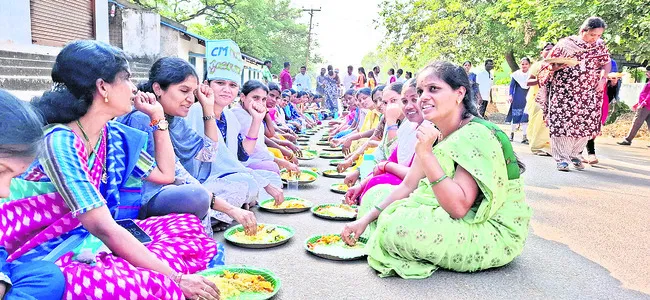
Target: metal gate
column 57, row 22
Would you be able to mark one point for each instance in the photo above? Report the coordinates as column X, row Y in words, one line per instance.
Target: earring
column 106, row 99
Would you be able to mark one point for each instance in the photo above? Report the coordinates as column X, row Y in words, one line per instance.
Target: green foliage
column 638, row 74
column 458, row 30
column 268, row 29
column 186, row 10
column 619, row 108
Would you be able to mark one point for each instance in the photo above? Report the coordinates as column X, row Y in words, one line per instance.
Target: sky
column 344, row 29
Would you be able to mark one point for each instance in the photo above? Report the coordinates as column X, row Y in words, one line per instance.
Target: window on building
column 192, row 61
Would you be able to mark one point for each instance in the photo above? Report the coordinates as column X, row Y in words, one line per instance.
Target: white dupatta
column 522, row 78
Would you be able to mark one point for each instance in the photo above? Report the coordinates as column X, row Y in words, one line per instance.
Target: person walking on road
column 573, row 112
column 642, row 112
column 485, row 81
column 537, row 132
column 517, row 98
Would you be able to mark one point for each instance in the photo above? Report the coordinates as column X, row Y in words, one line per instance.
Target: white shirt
column 302, row 82
column 378, row 79
column 401, row 80
column 485, row 81
column 349, row 80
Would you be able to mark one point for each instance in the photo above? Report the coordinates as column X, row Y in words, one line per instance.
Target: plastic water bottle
column 292, row 184
column 367, row 165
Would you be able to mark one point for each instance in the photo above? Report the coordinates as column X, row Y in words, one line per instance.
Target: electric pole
column 310, row 11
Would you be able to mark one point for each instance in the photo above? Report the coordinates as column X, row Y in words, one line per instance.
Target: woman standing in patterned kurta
column 576, row 93
column 461, row 205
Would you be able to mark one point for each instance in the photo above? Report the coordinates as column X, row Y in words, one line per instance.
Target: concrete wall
column 184, row 49
column 115, row 29
column 15, row 22
column 101, row 20
column 141, row 33
column 629, row 94
column 169, row 40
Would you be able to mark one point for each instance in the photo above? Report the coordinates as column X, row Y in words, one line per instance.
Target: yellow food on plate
column 340, row 210
column 232, row 284
column 324, row 240
column 294, row 203
column 303, row 176
column 341, row 187
column 264, row 235
column 333, row 172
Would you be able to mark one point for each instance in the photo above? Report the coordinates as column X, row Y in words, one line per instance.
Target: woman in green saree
column 461, row 206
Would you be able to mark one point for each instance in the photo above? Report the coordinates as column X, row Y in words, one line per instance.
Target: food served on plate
column 332, row 149
column 307, row 155
column 332, row 245
column 340, row 187
column 339, row 210
column 265, row 234
column 303, row 176
column 292, row 203
column 331, row 155
column 233, row 284
column 334, row 173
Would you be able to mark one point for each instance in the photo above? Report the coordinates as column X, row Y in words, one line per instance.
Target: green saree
column 413, row 237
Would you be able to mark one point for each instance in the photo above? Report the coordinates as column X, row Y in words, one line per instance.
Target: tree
column 474, row 30
column 186, row 10
column 384, row 59
column 267, row 29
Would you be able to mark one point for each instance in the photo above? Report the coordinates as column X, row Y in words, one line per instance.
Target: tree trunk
column 512, row 62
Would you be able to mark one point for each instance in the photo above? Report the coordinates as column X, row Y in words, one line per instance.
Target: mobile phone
column 135, row 230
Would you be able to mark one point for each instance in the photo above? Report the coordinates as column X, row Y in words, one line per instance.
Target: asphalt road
column 589, row 240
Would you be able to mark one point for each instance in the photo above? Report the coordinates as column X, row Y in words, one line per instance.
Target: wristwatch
column 161, row 124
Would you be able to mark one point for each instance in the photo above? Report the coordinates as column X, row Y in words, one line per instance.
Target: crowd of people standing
column 328, row 84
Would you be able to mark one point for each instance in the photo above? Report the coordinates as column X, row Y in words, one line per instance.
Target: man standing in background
column 266, row 72
column 286, row 82
column 303, row 81
column 485, row 81
column 349, row 80
column 377, row 78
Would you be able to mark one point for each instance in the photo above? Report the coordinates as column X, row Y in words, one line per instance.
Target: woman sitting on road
column 20, row 142
column 235, row 146
column 390, row 95
column 368, row 101
column 73, row 192
column 175, row 84
column 250, row 111
column 462, row 203
column 395, row 157
column 351, row 119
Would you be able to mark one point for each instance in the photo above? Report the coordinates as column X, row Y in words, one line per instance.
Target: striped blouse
column 64, row 163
